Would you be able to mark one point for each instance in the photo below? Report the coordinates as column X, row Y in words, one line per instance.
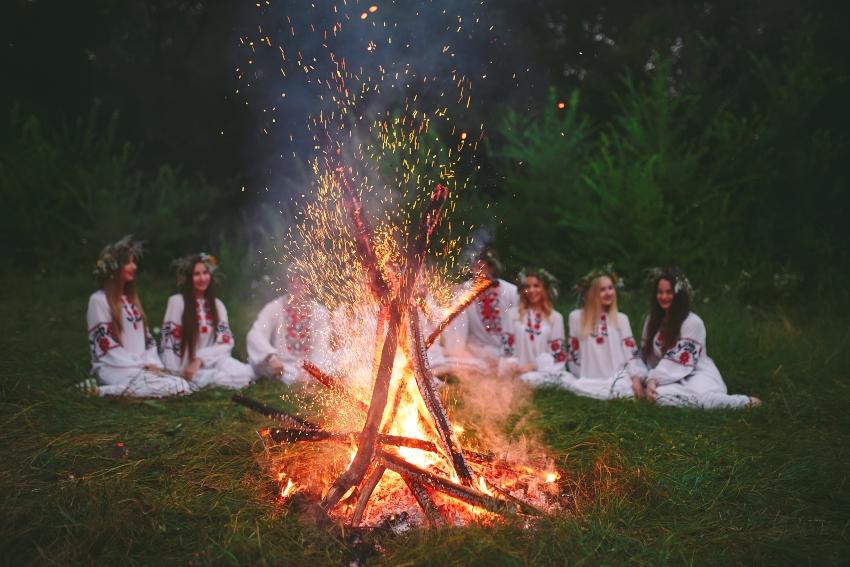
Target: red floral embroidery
column 490, row 311
column 574, row 344
column 103, row 343
column 630, row 342
column 177, row 332
column 205, row 329
column 225, row 339
column 684, row 357
column 600, row 339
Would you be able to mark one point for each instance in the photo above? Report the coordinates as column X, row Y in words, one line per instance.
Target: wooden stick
column 287, row 419
column 366, row 493
column 423, row 498
column 425, row 381
column 333, row 384
column 479, row 286
column 446, row 486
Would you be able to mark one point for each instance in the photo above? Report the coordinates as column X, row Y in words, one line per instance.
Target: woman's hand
column 530, row 367
column 638, row 388
column 192, row 368
column 276, row 365
column 651, row 390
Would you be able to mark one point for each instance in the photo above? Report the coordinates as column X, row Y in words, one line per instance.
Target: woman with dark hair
column 123, row 353
column 673, row 346
column 536, row 337
column 603, row 353
column 196, row 337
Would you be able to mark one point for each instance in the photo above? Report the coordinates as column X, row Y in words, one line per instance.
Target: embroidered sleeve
column 172, row 337
column 685, row 352
column 575, row 357
column 558, row 350
column 102, row 340
column 631, row 347
column 223, row 335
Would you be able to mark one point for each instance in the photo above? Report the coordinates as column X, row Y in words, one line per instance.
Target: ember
column 406, row 459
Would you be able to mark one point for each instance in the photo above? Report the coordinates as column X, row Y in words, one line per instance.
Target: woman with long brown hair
column 603, row 353
column 536, row 338
column 673, row 346
column 123, row 352
column 196, row 337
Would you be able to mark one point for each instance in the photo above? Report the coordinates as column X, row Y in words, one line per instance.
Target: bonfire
column 401, row 457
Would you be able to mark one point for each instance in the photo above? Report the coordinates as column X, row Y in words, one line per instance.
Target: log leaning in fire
column 333, row 384
column 446, row 486
column 425, row 381
column 366, row 493
column 479, row 286
column 366, row 447
column 423, row 498
column 286, row 419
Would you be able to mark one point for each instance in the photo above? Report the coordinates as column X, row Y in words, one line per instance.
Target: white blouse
column 684, row 358
column 606, row 351
column 212, row 344
column 291, row 332
column 536, row 339
column 136, row 348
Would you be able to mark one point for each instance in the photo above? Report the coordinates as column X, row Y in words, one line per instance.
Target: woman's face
column 607, row 293
column 664, row 294
column 534, row 290
column 200, row 278
column 128, row 270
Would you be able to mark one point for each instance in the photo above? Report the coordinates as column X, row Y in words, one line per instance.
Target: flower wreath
column 184, row 266
column 115, row 255
column 680, row 281
column 550, row 281
column 583, row 285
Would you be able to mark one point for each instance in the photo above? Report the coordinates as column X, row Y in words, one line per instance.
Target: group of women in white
column 509, row 330
column 196, row 345
column 515, row 331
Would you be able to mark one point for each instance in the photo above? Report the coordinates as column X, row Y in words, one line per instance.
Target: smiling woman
column 123, row 352
column 196, row 336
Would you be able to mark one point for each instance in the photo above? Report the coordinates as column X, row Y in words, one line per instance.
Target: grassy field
column 657, row 485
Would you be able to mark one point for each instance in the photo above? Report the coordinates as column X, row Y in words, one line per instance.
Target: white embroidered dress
column 605, row 361
column 213, row 346
column 473, row 342
column 120, row 366
column 293, row 333
column 537, row 340
column 686, row 375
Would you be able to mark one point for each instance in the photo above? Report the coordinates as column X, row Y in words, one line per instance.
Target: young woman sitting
column 123, row 353
column 603, row 353
column 536, row 337
column 673, row 346
column 196, row 337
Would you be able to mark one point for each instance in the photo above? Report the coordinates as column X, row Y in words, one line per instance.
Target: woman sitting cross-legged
column 535, row 341
column 603, row 353
column 674, row 348
column 123, row 353
column 196, row 337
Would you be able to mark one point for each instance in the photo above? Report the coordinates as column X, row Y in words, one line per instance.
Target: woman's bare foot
column 754, row 402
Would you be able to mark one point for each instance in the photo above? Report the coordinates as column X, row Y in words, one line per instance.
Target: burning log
column 458, row 491
column 479, row 286
column 333, row 384
column 280, row 435
column 363, row 239
column 425, row 381
column 286, row 419
column 416, row 256
column 366, row 493
column 423, row 498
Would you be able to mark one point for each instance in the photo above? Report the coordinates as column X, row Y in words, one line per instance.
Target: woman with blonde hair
column 123, row 352
column 535, row 341
column 603, row 354
column 196, row 337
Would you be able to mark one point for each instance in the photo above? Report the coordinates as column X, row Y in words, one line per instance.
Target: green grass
column 653, row 485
